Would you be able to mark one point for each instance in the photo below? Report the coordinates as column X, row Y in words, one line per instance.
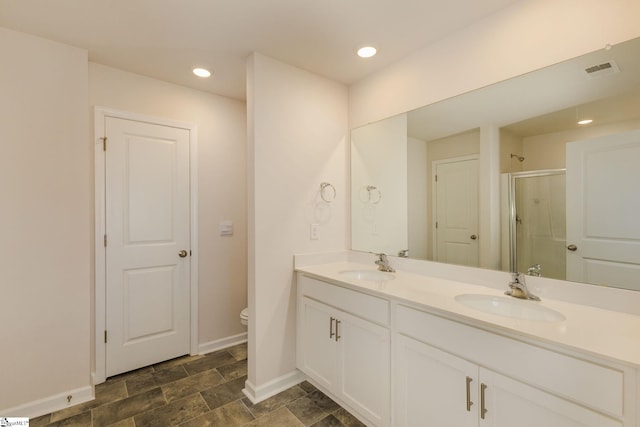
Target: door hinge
column 436, row 178
column 105, row 240
column 105, row 336
column 436, row 224
column 104, row 143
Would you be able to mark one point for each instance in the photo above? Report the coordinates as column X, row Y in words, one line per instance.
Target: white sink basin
column 371, row 275
column 510, row 307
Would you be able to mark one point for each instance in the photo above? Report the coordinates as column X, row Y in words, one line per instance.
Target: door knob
column 572, row 248
column 182, row 253
column 474, row 237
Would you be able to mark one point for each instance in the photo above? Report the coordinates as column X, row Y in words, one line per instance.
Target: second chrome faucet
column 383, row 263
column 518, row 288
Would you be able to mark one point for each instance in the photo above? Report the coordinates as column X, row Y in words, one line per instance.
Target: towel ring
column 374, row 189
column 332, row 194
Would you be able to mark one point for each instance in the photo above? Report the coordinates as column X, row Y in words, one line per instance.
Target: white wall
column 379, row 159
column 45, row 246
column 298, row 138
column 526, row 36
column 221, row 127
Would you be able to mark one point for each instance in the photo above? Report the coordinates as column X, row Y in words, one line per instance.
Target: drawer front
column 362, row 305
column 597, row 386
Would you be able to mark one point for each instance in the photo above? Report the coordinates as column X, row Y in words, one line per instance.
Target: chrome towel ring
column 377, row 195
column 327, row 192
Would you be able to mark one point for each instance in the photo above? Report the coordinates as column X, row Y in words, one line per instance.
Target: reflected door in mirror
column 456, row 211
column 603, row 198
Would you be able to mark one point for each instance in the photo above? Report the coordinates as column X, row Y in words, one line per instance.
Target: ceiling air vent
column 600, row 70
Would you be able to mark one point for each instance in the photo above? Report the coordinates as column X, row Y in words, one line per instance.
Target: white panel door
column 456, row 212
column 603, row 202
column 365, row 365
column 509, row 403
column 433, row 388
column 317, row 356
column 147, row 252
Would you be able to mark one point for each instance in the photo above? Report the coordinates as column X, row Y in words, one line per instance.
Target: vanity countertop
column 603, row 333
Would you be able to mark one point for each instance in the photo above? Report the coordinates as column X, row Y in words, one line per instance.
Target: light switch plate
column 226, row 228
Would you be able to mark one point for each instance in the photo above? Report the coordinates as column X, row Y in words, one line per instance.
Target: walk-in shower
column 537, row 222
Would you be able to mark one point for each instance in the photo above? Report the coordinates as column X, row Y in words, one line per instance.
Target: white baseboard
column 211, row 346
column 50, row 404
column 273, row 387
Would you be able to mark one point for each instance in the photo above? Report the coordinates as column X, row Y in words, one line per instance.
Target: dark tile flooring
column 198, row 391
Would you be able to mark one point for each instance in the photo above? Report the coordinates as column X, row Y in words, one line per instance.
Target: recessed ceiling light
column 367, row 51
column 585, row 122
column 201, row 72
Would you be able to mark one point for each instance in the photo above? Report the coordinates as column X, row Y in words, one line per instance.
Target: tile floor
column 197, row 391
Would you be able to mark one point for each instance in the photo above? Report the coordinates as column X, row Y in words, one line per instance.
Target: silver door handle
column 182, row 253
column 572, row 248
column 474, row 237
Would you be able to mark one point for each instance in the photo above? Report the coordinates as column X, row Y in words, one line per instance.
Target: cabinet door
column 365, row 366
column 511, row 403
column 317, row 354
column 433, row 388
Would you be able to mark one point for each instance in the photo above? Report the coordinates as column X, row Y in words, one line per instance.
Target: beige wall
column 510, row 144
column 45, row 245
column 297, row 139
column 418, row 204
column 221, row 128
column 548, row 151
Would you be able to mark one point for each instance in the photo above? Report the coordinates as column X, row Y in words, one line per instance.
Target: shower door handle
column 572, row 248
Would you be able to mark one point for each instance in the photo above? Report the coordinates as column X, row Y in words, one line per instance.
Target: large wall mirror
column 565, row 198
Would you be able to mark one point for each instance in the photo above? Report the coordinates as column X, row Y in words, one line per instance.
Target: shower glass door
column 538, row 223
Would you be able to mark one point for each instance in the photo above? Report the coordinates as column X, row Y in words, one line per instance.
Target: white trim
column 211, row 346
column 50, row 404
column 273, row 387
column 100, row 113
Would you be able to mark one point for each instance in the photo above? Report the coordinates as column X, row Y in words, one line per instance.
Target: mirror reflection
column 512, row 176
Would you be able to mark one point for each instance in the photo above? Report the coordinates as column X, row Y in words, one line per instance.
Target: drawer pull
column 483, row 409
column 331, row 333
column 469, row 402
column 337, row 330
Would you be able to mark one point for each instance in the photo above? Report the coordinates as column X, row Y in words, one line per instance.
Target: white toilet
column 244, row 316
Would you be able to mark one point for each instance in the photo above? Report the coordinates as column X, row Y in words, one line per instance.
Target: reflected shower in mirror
column 519, row 135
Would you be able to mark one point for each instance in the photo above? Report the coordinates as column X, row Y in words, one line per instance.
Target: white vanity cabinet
column 452, row 375
column 396, row 362
column 343, row 346
column 437, row 388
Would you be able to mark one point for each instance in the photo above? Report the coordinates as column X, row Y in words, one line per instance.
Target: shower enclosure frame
column 512, row 177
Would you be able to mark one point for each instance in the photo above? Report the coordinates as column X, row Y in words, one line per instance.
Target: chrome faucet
column 535, row 270
column 519, row 288
column 383, row 263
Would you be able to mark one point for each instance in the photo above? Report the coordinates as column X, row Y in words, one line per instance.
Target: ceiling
column 166, row 39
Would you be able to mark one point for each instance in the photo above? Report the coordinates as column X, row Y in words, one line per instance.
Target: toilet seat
column 244, row 316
